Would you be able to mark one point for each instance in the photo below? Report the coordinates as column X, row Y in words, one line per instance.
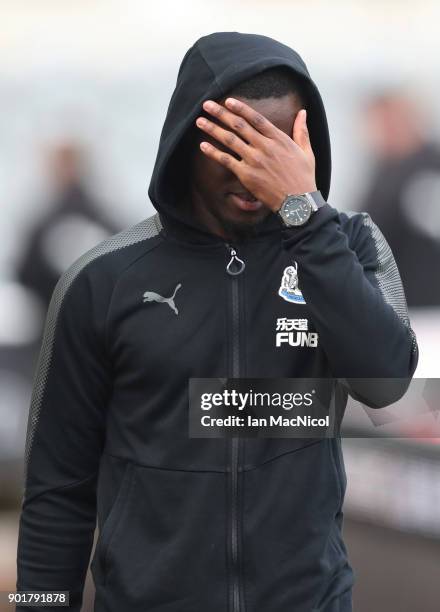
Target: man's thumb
column 300, row 130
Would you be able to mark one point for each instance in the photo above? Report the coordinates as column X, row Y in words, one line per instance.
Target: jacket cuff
column 326, row 215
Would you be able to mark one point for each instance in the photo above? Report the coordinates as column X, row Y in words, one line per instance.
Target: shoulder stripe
column 387, row 273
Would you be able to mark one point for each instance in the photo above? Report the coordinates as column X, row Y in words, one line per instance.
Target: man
column 50, row 247
column 402, row 194
column 196, row 291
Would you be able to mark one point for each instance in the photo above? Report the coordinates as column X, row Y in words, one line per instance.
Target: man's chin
column 243, row 224
column 245, row 218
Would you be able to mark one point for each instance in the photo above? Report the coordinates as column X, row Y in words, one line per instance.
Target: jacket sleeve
column 353, row 290
column 64, row 441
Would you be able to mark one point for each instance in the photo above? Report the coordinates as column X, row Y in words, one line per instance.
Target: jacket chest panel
column 185, row 314
column 278, row 336
column 172, row 320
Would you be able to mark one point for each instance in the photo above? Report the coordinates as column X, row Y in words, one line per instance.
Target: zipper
column 235, row 267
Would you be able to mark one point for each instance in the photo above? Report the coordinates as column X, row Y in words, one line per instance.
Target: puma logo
column 151, row 296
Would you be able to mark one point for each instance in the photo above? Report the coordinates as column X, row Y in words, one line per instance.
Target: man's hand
column 272, row 163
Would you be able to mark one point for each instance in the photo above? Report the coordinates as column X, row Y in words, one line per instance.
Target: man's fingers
column 301, row 132
column 226, row 160
column 258, row 121
column 245, row 121
column 229, row 139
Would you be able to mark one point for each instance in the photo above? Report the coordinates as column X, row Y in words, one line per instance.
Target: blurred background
column 84, row 89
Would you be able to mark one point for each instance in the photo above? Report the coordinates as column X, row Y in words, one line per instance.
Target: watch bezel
column 289, row 200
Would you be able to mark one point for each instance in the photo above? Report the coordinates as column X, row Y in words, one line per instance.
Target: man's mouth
column 245, row 200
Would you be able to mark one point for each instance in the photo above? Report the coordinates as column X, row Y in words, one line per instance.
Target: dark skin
column 259, row 146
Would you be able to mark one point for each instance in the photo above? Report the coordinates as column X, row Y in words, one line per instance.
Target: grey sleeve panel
column 67, row 419
column 386, row 272
column 147, row 228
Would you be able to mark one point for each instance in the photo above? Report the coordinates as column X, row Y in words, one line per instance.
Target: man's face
column 211, row 184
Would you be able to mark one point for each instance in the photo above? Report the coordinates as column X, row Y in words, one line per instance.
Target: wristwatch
column 297, row 209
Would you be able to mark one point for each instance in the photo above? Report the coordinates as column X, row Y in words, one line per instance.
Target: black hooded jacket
column 195, row 524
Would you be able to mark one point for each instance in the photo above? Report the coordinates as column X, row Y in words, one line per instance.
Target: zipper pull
column 235, row 265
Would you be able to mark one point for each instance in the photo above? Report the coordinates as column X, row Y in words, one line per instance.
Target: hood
column 210, row 68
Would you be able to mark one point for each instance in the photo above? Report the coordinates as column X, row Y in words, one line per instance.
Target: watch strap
column 316, row 199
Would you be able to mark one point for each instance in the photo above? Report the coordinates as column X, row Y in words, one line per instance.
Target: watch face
column 296, row 210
